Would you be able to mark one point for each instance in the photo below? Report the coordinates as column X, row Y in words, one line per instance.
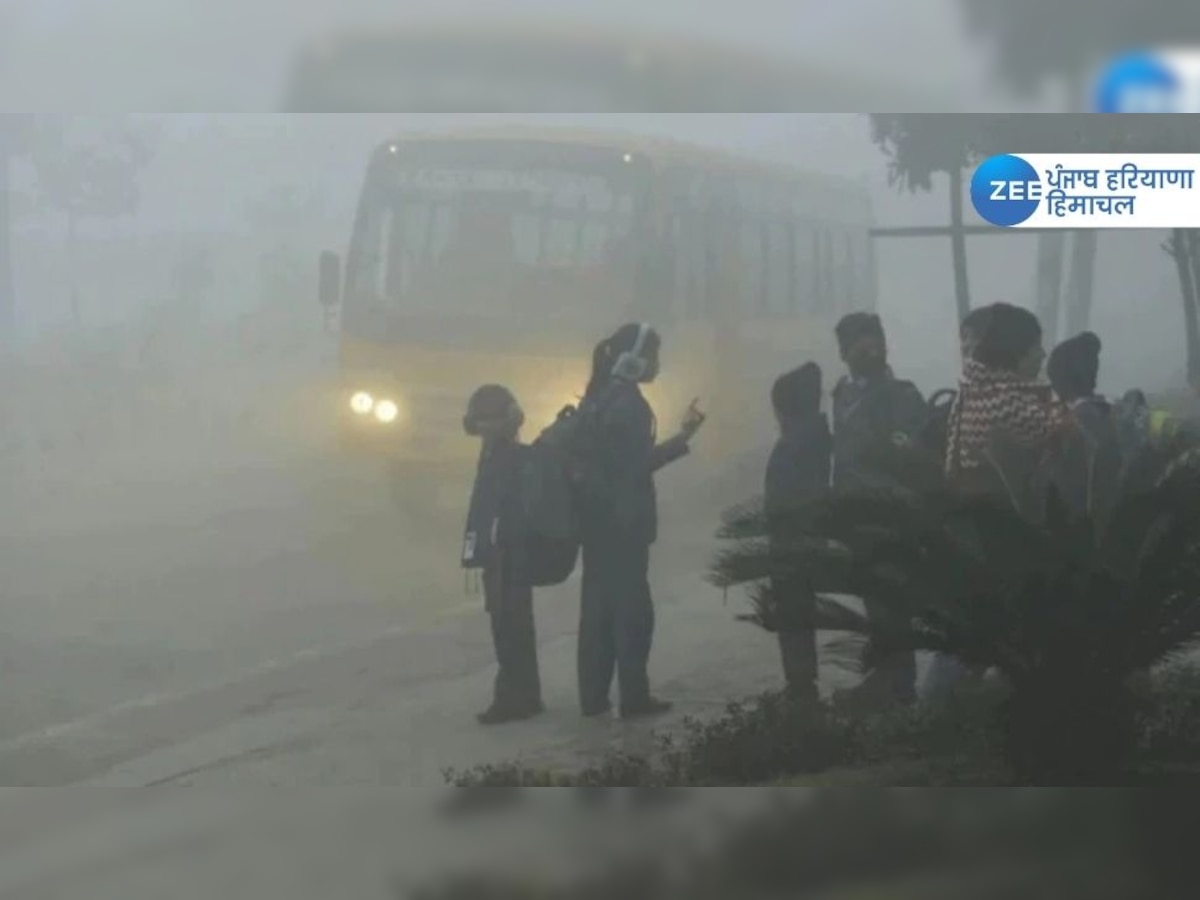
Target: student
column 972, row 330
column 935, row 439
column 494, row 543
column 797, row 473
column 620, row 523
column 871, row 408
column 1001, row 401
column 870, row 404
column 1088, row 467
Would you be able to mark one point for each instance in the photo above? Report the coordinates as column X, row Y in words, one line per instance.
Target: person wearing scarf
column 1003, row 411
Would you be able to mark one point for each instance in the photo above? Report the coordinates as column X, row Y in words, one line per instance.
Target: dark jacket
column 799, row 468
column 797, row 474
column 626, row 457
column 494, row 532
column 867, row 414
column 1087, row 469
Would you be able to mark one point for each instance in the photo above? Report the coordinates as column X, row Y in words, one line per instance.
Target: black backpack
column 557, row 473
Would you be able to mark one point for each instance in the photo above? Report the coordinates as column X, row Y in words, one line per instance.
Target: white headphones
column 631, row 365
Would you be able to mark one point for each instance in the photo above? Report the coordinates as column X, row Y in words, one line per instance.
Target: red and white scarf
column 991, row 401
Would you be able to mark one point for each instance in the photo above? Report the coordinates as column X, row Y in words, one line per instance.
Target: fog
column 179, row 514
column 205, row 585
column 75, row 54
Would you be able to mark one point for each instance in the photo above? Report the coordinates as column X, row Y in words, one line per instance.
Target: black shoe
column 499, row 715
column 594, row 712
column 644, row 710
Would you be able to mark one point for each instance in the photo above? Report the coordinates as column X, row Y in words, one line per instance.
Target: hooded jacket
column 798, row 470
column 1087, row 467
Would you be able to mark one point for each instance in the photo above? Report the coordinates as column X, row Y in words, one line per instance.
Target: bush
column 774, row 736
column 1170, row 715
column 773, row 739
column 1071, row 607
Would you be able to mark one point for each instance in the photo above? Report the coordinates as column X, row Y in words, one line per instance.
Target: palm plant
column 1066, row 610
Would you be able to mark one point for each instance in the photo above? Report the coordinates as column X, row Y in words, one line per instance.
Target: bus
column 502, row 66
column 504, row 254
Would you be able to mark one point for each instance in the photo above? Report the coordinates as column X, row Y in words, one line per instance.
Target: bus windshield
column 493, row 237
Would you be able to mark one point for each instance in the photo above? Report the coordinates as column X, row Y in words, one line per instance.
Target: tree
column 94, row 177
column 1039, row 43
column 1036, row 43
column 1067, row 608
column 1116, row 134
column 919, row 147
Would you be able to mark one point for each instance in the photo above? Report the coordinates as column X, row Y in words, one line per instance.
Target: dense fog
column 206, row 581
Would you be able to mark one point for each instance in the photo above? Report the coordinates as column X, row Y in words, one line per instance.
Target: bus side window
column 779, row 266
column 869, row 272
column 820, row 271
column 685, row 192
column 803, row 265
column 752, row 253
column 559, row 238
column 849, row 273
column 527, row 235
column 681, row 284
column 715, row 228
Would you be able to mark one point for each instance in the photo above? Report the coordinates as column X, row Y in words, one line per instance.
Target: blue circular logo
column 1138, row 83
column 1005, row 190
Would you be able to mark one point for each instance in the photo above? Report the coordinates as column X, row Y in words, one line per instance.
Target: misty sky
column 219, row 55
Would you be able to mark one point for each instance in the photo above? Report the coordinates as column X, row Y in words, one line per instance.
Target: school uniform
column 620, row 524
column 493, row 544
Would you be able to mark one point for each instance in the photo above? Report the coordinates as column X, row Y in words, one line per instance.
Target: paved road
column 154, row 589
column 171, row 601
column 259, row 618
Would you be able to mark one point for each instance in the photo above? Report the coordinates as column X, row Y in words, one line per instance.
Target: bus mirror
column 329, row 289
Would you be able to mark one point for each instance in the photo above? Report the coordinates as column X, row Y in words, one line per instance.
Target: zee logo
column 1150, row 83
column 1015, row 190
column 1006, row 190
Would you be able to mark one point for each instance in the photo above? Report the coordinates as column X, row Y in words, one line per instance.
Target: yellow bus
column 505, row 254
column 529, row 67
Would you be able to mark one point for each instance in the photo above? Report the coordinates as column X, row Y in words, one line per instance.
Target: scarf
column 991, row 401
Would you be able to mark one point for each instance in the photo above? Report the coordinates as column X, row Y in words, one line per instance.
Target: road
column 139, row 591
column 167, row 599
column 258, row 614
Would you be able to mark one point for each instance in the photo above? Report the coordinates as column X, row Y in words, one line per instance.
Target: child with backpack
column 495, row 543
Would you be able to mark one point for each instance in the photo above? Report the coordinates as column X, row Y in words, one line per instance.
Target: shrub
column 1068, row 608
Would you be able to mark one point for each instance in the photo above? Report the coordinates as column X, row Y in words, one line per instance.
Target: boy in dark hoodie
column 494, row 542
column 797, row 473
column 1088, row 467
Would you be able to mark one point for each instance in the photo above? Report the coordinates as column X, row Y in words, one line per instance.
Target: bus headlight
column 362, row 403
column 386, row 411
